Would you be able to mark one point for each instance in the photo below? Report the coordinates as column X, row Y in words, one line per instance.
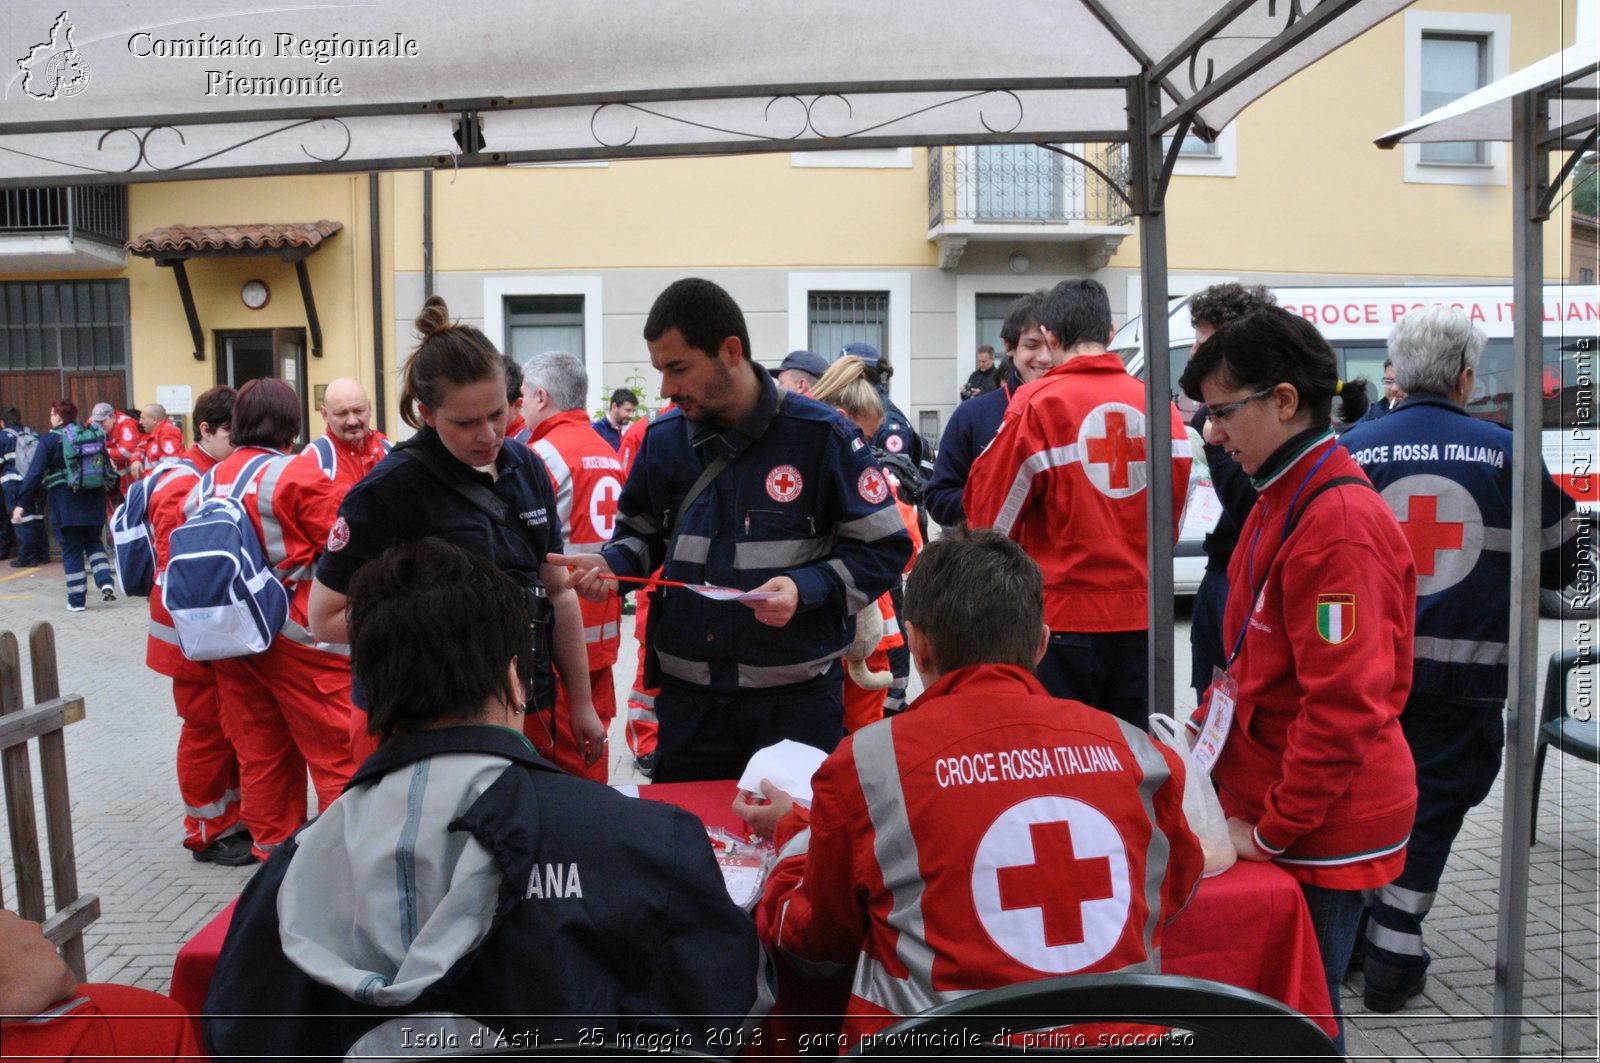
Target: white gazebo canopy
column 127, row 90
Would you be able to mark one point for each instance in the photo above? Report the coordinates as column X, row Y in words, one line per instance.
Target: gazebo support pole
column 1530, row 174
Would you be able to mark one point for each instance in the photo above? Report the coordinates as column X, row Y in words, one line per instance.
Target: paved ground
column 153, row 896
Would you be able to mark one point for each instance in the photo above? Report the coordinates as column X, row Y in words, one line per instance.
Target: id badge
column 1219, row 718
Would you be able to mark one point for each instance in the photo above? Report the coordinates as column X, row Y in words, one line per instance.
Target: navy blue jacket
column 971, row 427
column 651, row 943
column 1447, row 477
column 897, row 426
column 803, row 498
column 608, row 432
column 68, row 508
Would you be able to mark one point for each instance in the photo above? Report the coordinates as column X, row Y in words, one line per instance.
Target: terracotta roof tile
column 199, row 239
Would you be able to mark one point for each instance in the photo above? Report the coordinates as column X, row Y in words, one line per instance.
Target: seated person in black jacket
column 462, row 873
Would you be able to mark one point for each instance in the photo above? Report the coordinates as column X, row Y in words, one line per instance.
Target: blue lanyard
column 1289, row 522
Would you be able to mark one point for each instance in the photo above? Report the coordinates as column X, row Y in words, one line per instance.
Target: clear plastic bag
column 1200, row 804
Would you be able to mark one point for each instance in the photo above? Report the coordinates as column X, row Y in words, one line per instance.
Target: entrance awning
column 294, row 242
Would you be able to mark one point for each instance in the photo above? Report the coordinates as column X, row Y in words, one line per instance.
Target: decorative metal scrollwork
column 142, row 143
column 1294, row 11
column 819, row 117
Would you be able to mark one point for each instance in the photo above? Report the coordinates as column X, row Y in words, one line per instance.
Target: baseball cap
column 864, row 351
column 102, row 412
column 806, row 362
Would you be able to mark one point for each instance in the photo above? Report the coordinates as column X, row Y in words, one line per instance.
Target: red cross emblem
column 872, row 486
column 784, row 483
column 1427, row 534
column 1117, row 450
column 1057, row 883
column 338, row 536
column 894, row 444
column 1051, row 884
column 603, row 505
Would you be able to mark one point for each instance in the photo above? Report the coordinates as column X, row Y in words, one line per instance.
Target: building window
column 835, row 319
column 1449, row 54
column 1585, row 275
column 1453, row 64
column 539, row 323
column 64, row 325
column 990, row 317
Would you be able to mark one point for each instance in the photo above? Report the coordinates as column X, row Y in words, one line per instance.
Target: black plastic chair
column 1558, row 728
column 1218, row 1020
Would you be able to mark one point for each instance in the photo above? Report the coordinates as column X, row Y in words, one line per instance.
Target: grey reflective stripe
column 1022, row 483
column 271, row 529
column 561, row 473
column 874, row 984
column 641, row 698
column 874, row 526
column 600, row 632
column 294, row 632
column 782, row 675
column 689, row 671
column 1554, row 535
column 895, row 850
column 161, row 631
column 56, row 1012
column 1401, row 899
column 1497, row 539
column 304, row 572
column 77, row 579
column 640, row 715
column 1396, row 941
column 691, row 549
column 215, row 808
column 854, row 600
column 1154, row 768
column 1461, row 651
column 778, row 553
column 891, row 626
column 638, row 523
column 799, row 845
column 637, row 547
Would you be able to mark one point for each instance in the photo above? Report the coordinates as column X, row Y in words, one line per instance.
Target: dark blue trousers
column 1108, row 670
column 712, row 736
column 78, row 543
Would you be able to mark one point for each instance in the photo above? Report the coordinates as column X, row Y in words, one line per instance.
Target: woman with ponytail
column 1314, row 772
column 455, row 479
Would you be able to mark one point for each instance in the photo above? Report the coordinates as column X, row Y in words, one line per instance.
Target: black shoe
column 19, row 563
column 646, row 764
column 232, row 851
column 1388, row 987
column 107, row 594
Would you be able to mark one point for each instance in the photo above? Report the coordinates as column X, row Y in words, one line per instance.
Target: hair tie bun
column 1338, row 387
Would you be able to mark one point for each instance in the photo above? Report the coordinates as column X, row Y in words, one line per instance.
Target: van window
column 1568, row 383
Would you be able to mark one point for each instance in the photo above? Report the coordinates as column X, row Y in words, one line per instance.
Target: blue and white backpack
column 224, row 597
column 130, row 532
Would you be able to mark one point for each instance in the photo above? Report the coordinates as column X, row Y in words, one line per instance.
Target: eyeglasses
column 1228, row 409
column 1388, row 381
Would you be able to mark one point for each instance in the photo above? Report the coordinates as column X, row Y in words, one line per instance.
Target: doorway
column 279, row 353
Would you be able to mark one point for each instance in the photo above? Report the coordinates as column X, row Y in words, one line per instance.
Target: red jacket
column 1315, row 757
column 343, row 464
column 588, row 479
column 165, row 512
column 293, row 507
column 989, row 835
column 1065, row 478
column 127, row 446
column 163, row 443
column 633, row 437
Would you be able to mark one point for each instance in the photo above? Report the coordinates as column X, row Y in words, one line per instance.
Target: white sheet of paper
column 626, row 789
column 788, row 765
column 730, row 594
column 1202, row 510
column 1214, row 733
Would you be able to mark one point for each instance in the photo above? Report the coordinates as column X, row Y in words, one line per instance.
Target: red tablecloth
column 1247, row 927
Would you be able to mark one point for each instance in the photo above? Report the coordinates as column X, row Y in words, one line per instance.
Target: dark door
column 265, row 353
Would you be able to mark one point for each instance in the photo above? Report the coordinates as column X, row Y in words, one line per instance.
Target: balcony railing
column 1020, row 184
column 97, row 212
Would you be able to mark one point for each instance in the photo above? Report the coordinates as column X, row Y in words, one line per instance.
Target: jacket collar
column 405, row 749
column 1106, row 362
column 982, row 678
column 551, row 423
column 1290, row 454
column 753, row 426
column 1428, row 398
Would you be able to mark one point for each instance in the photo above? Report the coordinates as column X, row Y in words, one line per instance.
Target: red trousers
column 640, row 729
column 208, row 769
column 535, row 725
column 116, row 1022
column 863, row 706
column 287, row 710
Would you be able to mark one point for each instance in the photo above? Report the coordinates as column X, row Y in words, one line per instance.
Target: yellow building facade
column 917, row 251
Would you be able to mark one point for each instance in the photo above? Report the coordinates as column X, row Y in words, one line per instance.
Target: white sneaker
column 107, row 594
column 75, row 608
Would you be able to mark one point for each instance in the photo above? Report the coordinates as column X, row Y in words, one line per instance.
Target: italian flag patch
column 1336, row 617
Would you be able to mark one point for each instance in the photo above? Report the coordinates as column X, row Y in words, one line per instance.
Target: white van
column 1356, row 322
